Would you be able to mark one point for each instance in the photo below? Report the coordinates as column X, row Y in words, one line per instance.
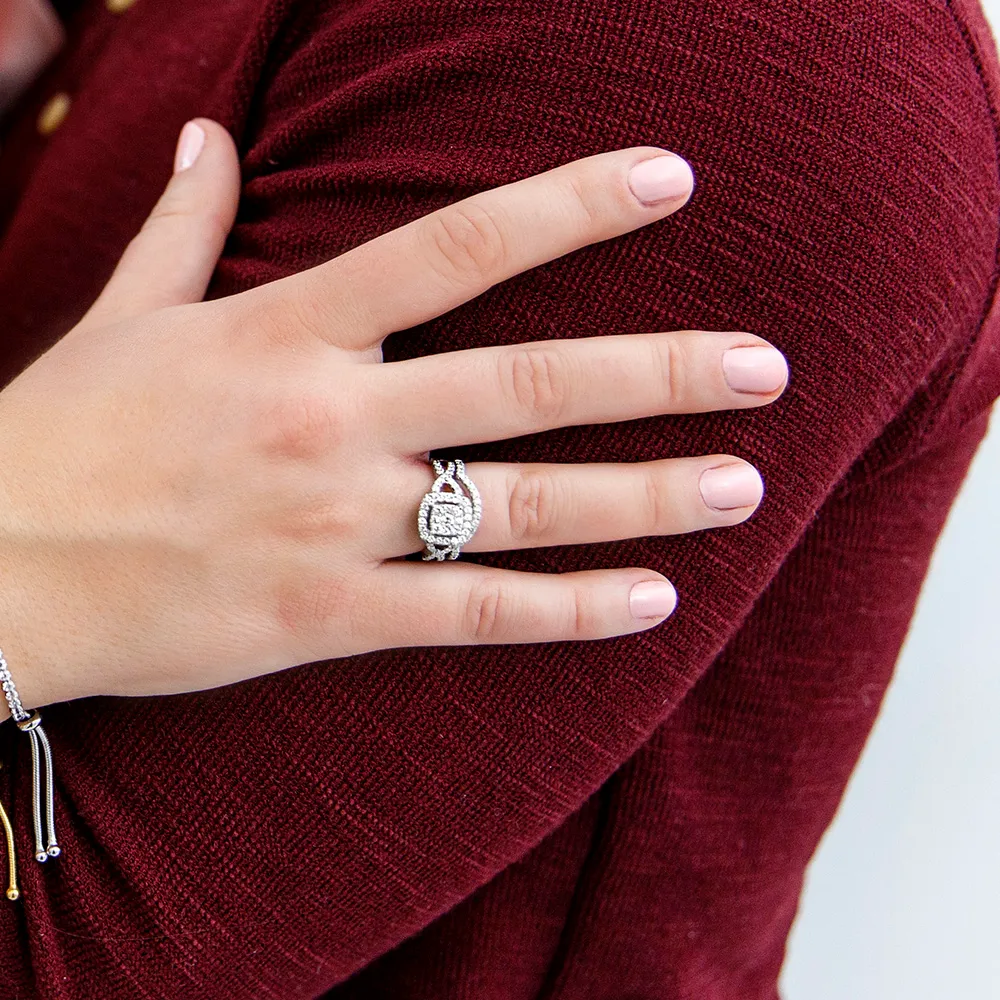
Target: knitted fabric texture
column 626, row 819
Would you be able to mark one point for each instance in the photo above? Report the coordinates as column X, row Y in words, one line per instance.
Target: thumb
column 171, row 260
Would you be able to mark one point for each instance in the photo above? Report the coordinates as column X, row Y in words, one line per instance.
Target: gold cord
column 12, row 891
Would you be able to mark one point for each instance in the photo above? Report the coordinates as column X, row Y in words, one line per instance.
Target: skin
column 185, row 483
column 30, row 34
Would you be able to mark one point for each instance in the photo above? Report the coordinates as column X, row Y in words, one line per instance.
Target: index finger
column 435, row 263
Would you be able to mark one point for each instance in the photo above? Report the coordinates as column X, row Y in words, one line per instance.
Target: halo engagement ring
column 448, row 517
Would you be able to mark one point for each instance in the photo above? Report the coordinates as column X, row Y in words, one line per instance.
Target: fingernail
column 660, row 179
column 189, row 146
column 754, row 369
column 652, row 599
column 727, row 487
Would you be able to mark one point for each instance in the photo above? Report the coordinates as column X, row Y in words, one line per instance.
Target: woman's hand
column 194, row 493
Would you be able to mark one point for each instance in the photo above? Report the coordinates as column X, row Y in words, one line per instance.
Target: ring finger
column 528, row 506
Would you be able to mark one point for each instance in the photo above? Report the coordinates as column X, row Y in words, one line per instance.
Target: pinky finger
column 460, row 604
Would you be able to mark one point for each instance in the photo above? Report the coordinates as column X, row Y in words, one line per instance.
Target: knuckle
column 586, row 201
column 245, row 326
column 470, row 243
column 657, row 502
column 670, row 365
column 168, row 212
column 302, row 427
column 273, row 328
column 539, row 382
column 488, row 612
column 580, row 617
column 317, row 519
column 206, row 223
column 287, row 322
column 307, row 609
column 531, row 506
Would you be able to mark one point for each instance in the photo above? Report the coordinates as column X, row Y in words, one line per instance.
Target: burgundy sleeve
column 278, row 835
column 681, row 876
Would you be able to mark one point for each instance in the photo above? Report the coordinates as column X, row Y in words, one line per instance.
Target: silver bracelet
column 41, row 751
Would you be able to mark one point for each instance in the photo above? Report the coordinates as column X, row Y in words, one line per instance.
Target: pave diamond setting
column 450, row 514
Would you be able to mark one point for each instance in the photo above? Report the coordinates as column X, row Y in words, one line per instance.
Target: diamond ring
column 448, row 517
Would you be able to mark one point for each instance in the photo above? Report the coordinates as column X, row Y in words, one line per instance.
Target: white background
column 903, row 899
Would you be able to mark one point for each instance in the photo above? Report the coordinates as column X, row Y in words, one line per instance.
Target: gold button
column 118, row 6
column 54, row 113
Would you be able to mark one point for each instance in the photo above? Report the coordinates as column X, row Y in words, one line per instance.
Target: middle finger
column 493, row 393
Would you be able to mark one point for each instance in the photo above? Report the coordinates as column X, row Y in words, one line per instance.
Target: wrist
column 17, row 665
column 29, row 600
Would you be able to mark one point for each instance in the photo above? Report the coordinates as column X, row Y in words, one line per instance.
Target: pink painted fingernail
column 727, row 487
column 660, row 179
column 189, row 146
column 652, row 599
column 754, row 369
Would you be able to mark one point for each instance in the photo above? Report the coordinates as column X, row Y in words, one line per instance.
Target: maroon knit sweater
column 620, row 820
